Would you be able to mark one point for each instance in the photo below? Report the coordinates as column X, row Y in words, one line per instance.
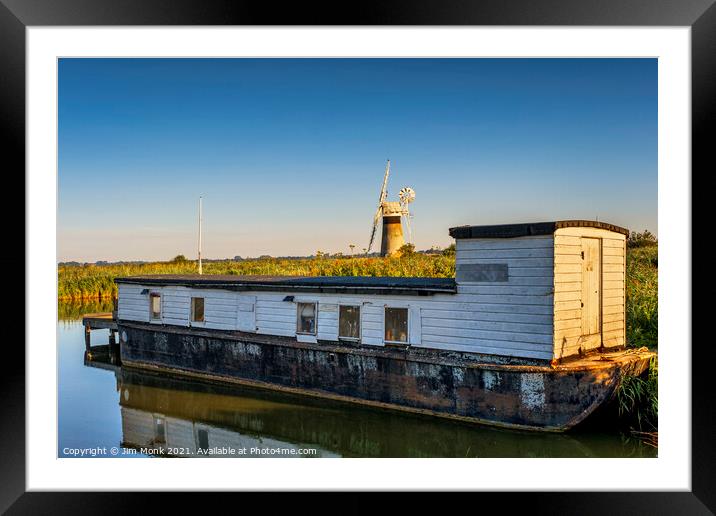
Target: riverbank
column 97, row 281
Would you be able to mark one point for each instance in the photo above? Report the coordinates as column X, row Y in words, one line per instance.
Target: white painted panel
column 415, row 325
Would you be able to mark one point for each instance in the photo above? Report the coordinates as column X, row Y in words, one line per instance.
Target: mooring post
column 87, row 337
column 112, row 340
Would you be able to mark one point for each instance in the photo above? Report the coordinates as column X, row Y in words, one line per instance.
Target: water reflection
column 176, row 416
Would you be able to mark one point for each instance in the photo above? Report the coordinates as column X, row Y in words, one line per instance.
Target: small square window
column 349, row 322
column 155, row 305
column 396, row 325
column 306, row 322
column 197, row 309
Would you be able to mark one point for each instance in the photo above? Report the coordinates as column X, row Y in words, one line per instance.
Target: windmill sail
column 379, row 211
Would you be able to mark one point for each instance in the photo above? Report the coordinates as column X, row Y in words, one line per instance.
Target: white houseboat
column 529, row 334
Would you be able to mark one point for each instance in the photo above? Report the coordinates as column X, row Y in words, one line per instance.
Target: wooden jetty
column 100, row 321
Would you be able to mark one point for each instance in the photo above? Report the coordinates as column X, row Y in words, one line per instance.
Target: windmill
column 392, row 212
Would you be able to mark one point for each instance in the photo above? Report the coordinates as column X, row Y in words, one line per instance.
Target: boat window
column 197, row 309
column 396, row 324
column 159, row 430
column 306, row 318
column 155, row 305
column 349, row 322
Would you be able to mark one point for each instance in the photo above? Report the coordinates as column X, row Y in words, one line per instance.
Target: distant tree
column 238, row 258
column 180, row 258
column 406, row 250
column 643, row 239
column 352, row 246
column 449, row 250
column 265, row 257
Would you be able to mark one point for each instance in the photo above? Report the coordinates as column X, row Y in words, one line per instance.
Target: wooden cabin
column 526, row 292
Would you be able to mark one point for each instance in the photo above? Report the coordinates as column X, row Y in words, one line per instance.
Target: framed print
column 198, row 188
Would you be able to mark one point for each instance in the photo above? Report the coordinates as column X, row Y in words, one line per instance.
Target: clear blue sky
column 289, row 153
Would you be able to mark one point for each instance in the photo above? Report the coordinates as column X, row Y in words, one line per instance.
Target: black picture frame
column 17, row 15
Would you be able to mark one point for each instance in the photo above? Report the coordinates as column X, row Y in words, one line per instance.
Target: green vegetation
column 638, row 397
column 642, row 297
column 643, row 239
column 95, row 281
column 638, row 401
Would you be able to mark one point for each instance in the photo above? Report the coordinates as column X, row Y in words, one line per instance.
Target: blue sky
column 289, row 153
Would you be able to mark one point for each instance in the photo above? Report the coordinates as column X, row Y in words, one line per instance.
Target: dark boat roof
column 326, row 284
column 529, row 229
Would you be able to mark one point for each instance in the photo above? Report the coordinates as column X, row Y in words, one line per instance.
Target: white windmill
column 392, row 213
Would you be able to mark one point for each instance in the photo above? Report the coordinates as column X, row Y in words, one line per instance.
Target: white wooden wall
column 512, row 318
column 568, row 288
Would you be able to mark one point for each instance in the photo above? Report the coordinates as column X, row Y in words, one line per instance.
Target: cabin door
column 246, row 314
column 591, row 293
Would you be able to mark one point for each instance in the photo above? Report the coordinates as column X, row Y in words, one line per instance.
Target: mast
column 200, row 235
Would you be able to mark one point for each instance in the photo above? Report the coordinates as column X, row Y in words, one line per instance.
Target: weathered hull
column 534, row 397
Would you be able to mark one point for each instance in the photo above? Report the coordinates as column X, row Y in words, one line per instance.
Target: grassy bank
column 95, row 281
column 638, row 397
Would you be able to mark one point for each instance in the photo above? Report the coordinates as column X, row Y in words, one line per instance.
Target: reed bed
column 97, row 281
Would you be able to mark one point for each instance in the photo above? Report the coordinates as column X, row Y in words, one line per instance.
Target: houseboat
column 530, row 333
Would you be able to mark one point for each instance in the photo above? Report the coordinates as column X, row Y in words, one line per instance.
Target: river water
column 106, row 409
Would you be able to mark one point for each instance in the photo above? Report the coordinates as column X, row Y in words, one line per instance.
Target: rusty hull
column 521, row 395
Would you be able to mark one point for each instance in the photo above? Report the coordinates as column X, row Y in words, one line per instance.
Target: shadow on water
column 162, row 412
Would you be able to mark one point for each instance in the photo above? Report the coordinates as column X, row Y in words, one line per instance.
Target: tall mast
column 200, row 235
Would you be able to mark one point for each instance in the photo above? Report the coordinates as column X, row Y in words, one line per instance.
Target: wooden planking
column 564, row 314
column 506, row 289
column 617, row 285
column 451, row 315
column 613, row 317
column 513, row 281
column 567, row 249
column 568, row 259
column 506, row 254
column 613, row 242
column 528, row 242
column 564, row 240
column 613, row 309
column 613, row 260
column 568, row 268
column 614, row 325
column 575, row 286
column 588, row 232
column 488, row 346
column 612, row 251
column 482, row 335
column 511, row 327
column 614, row 276
column 564, row 324
column 567, row 296
column 568, row 278
column 511, row 263
column 611, row 301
